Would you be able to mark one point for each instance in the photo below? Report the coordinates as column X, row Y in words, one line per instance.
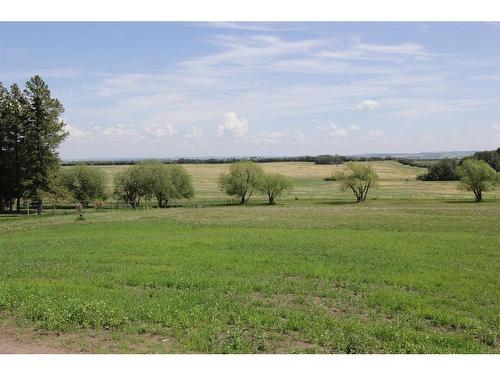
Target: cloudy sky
column 232, row 89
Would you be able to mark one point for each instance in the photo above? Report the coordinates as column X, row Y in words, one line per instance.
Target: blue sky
column 220, row 89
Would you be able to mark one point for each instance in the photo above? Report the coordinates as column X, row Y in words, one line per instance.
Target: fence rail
column 214, row 202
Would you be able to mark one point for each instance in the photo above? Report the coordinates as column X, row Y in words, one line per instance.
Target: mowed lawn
column 381, row 277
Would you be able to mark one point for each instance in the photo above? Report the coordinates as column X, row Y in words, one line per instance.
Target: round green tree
column 241, row 181
column 274, row 185
column 153, row 179
column 358, row 178
column 476, row 176
column 84, row 183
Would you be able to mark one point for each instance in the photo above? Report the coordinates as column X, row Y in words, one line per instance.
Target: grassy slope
column 380, row 277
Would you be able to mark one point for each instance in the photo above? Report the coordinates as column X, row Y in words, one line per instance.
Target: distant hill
column 228, row 159
column 422, row 155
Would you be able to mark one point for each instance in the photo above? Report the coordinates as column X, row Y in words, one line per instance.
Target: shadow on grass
column 338, row 203
column 461, row 201
column 12, row 214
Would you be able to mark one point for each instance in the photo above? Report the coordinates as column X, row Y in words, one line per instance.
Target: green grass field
column 317, row 275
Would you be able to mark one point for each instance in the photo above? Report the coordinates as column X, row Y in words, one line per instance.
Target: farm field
column 317, row 274
column 397, row 181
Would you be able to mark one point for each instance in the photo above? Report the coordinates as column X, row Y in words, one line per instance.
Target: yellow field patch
column 397, row 181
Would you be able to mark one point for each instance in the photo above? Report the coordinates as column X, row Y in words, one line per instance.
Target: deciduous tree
column 84, row 183
column 359, row 178
column 476, row 176
column 243, row 178
column 273, row 185
column 165, row 182
column 153, row 179
column 129, row 185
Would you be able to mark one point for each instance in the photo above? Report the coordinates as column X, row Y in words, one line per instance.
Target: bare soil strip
column 15, row 341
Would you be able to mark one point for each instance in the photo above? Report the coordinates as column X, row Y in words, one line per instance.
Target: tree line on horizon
column 325, row 159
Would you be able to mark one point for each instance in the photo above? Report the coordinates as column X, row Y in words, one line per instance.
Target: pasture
column 316, row 273
column 397, row 181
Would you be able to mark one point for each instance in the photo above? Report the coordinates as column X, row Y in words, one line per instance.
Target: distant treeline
column 417, row 163
column 319, row 159
column 192, row 160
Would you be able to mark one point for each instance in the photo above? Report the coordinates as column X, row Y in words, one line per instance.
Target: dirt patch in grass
column 308, row 302
column 291, row 343
column 18, row 340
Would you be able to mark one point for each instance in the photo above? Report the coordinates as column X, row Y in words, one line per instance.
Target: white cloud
column 368, row 104
column 378, row 52
column 273, row 136
column 249, row 51
column 489, row 77
column 298, row 136
column 196, row 133
column 233, row 126
column 122, row 132
column 253, row 26
column 354, row 128
column 160, row 131
column 375, row 135
column 398, row 49
column 417, row 107
column 424, row 28
column 77, row 134
column 334, row 131
column 496, row 127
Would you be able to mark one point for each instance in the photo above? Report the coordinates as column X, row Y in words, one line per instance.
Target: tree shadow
column 337, row 203
column 461, row 201
column 12, row 214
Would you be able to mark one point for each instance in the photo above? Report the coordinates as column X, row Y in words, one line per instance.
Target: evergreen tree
column 4, row 175
column 17, row 142
column 45, row 133
column 12, row 145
